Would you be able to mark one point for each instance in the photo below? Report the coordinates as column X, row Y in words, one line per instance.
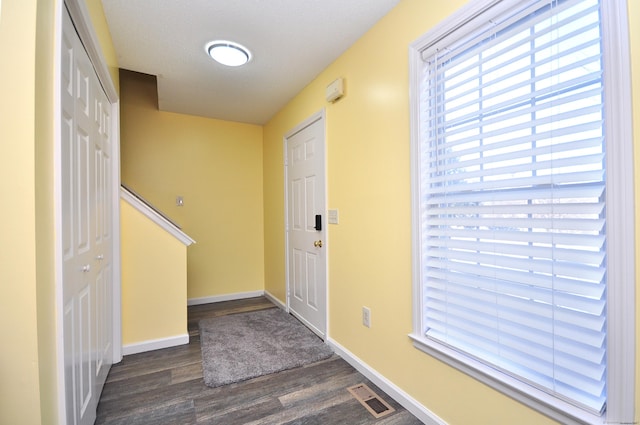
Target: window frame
column 621, row 356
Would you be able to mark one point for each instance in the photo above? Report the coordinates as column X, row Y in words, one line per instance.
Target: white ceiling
column 292, row 41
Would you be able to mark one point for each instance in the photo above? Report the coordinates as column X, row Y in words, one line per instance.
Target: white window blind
column 512, row 197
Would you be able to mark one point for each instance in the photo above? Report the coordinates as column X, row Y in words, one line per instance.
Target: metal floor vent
column 371, row 401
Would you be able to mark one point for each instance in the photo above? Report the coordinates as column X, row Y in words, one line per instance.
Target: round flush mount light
column 228, row 53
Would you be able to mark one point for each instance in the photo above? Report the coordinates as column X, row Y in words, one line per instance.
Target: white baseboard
column 408, row 402
column 275, row 300
column 227, row 297
column 155, row 344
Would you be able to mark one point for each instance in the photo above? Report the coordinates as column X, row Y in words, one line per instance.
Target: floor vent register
column 371, row 401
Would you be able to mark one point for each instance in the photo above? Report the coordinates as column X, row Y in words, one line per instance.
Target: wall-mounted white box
column 335, row 90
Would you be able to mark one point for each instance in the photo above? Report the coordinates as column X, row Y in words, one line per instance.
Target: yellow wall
column 217, row 167
column 19, row 357
column 368, row 172
column 154, row 280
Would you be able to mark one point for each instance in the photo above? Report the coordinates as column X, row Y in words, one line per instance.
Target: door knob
column 100, row 257
column 86, row 268
column 317, row 244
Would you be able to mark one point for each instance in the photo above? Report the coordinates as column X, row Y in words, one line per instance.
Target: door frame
column 82, row 22
column 318, row 116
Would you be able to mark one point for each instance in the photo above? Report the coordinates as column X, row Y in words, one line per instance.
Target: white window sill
column 528, row 395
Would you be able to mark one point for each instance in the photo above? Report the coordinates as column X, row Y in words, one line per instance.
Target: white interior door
column 306, row 244
column 87, row 242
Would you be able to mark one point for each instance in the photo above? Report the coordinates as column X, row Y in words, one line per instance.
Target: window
column 523, row 211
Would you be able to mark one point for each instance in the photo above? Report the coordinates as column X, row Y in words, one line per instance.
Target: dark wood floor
column 165, row 387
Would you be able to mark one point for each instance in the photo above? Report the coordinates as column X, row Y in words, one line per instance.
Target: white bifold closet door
column 87, row 233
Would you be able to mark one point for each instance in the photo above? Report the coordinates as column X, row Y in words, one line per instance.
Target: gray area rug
column 242, row 346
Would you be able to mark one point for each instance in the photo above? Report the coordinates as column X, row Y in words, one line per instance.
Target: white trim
column 408, row 402
column 459, row 18
column 320, row 115
column 540, row 401
column 155, row 217
column 283, row 306
column 621, row 297
column 226, row 297
column 238, row 296
column 414, row 134
column 57, row 196
column 155, row 344
column 116, row 260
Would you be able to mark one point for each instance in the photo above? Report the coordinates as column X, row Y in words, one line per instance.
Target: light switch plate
column 333, row 217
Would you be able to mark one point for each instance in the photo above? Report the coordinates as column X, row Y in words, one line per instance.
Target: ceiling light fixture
column 228, row 53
